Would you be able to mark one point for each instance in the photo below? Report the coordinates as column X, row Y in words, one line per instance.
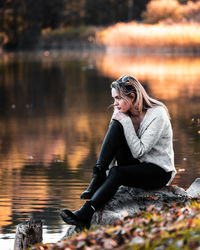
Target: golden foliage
column 171, row 11
column 135, row 35
column 161, row 9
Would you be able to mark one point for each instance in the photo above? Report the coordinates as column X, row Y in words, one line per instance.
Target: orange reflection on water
column 31, row 147
column 167, row 77
column 54, row 138
column 5, row 212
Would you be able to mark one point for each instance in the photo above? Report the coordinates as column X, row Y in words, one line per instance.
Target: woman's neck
column 137, row 119
column 134, row 113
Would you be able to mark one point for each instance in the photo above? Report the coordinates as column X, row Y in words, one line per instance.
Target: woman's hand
column 117, row 115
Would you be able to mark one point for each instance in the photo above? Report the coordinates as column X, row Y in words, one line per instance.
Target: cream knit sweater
column 153, row 141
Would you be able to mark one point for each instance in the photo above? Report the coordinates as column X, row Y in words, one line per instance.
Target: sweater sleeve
column 151, row 135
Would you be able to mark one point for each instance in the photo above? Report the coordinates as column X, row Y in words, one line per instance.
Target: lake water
column 53, row 117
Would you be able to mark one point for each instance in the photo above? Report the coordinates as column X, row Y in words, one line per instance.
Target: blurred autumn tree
column 171, row 11
column 105, row 12
column 21, row 21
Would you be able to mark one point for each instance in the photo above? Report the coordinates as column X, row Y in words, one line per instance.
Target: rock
column 194, row 190
column 128, row 201
column 71, row 230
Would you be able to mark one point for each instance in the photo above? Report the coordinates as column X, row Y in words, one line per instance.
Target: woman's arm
column 151, row 135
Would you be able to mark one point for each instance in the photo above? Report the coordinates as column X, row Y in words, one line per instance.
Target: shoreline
column 88, row 47
column 140, row 39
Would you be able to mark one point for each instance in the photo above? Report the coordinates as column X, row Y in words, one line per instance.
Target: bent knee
column 114, row 172
column 116, row 124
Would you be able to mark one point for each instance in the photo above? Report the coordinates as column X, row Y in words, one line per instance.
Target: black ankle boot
column 98, row 178
column 81, row 217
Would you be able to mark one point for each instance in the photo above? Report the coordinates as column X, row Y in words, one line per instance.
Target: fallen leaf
column 109, row 243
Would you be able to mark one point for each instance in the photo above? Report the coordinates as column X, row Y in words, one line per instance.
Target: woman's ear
column 132, row 96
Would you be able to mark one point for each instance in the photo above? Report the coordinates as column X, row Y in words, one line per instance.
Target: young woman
column 139, row 139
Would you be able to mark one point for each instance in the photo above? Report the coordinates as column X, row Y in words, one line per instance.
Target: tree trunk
column 28, row 233
column 130, row 9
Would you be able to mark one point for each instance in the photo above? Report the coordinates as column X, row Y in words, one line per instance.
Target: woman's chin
column 124, row 111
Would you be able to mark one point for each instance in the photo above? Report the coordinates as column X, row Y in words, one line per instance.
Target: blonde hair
column 126, row 85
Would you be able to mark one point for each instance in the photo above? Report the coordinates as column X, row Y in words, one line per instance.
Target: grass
column 137, row 35
column 70, row 33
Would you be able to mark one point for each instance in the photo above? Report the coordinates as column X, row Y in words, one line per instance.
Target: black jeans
column 129, row 171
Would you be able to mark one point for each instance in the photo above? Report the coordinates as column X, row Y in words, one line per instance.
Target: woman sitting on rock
column 139, row 140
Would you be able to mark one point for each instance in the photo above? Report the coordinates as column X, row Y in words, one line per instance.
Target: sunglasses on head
column 125, row 79
column 124, row 83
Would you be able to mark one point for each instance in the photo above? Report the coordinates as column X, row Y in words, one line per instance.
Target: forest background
column 28, row 24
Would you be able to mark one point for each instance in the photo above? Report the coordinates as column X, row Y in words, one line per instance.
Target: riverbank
column 175, row 38
column 173, row 227
column 82, row 37
column 160, row 38
column 68, row 38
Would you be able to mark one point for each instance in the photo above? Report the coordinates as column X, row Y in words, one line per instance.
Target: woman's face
column 120, row 103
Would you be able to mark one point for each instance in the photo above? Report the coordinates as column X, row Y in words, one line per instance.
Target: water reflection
column 53, row 116
column 168, row 77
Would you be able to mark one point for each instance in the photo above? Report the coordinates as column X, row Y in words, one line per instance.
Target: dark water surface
column 54, row 114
